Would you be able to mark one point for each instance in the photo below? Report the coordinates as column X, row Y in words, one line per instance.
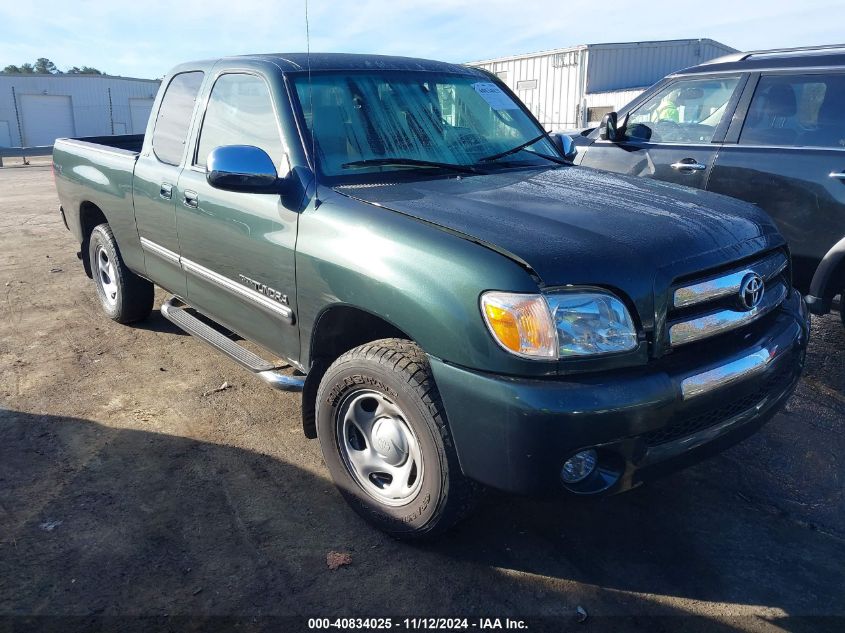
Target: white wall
column 90, row 115
column 566, row 77
column 614, row 100
column 550, row 84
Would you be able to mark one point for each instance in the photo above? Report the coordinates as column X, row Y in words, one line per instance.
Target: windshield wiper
column 513, row 150
column 411, row 162
column 554, row 159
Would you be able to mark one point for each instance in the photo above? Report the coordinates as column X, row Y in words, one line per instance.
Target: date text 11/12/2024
column 413, row 624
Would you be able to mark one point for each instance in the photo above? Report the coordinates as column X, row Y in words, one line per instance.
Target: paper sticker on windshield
column 494, row 96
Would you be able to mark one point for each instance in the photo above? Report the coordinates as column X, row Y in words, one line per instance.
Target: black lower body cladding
column 515, row 434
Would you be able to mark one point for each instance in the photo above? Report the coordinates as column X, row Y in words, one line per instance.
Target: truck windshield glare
column 443, row 118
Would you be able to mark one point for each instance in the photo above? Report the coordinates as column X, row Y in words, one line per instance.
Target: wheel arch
column 828, row 280
column 90, row 216
column 337, row 329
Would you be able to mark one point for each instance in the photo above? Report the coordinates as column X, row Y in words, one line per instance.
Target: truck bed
column 127, row 142
column 94, row 176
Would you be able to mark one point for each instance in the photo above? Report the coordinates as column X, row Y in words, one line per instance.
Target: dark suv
column 767, row 127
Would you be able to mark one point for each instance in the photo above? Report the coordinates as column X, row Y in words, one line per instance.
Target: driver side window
column 240, row 112
column 686, row 111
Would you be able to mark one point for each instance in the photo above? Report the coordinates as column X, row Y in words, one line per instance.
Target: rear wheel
column 125, row 296
column 386, row 442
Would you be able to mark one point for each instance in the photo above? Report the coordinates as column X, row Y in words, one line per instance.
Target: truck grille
column 688, row 425
column 719, row 303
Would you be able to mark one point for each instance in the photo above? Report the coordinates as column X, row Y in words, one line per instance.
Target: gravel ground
column 128, row 487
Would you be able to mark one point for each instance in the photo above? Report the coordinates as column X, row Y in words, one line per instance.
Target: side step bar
column 175, row 311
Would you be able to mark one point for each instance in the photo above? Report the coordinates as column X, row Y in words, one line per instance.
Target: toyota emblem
column 751, row 291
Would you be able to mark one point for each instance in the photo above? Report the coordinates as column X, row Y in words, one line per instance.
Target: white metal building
column 37, row 109
column 572, row 87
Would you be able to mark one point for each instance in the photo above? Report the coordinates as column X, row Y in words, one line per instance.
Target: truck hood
column 575, row 225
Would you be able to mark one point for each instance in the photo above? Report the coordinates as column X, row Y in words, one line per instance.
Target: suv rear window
column 174, row 117
column 797, row 111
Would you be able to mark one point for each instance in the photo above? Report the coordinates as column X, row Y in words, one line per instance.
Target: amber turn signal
column 521, row 323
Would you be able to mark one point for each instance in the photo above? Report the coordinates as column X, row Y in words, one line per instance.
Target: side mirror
column 565, row 145
column 607, row 128
column 242, row 168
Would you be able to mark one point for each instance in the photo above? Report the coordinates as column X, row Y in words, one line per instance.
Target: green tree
column 23, row 69
column 85, row 70
column 44, row 66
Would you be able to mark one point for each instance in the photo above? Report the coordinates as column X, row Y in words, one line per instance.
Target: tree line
column 44, row 66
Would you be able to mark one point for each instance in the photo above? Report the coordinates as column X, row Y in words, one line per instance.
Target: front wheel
column 125, row 296
column 386, row 442
column 842, row 306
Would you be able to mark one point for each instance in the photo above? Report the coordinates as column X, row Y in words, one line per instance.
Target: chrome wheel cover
column 379, row 448
column 105, row 275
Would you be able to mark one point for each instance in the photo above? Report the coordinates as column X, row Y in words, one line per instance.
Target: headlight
column 590, row 323
column 559, row 325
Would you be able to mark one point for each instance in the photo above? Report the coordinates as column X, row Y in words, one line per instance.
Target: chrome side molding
column 728, row 283
column 727, row 374
column 156, row 249
column 258, row 299
column 224, row 283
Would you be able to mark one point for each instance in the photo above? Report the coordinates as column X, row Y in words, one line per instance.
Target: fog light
column 579, row 466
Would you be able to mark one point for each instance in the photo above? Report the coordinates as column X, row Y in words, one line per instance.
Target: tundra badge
column 264, row 289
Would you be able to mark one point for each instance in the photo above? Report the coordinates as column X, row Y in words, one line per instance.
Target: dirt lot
column 129, row 487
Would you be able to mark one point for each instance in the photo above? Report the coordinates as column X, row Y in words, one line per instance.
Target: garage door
column 45, row 118
column 139, row 110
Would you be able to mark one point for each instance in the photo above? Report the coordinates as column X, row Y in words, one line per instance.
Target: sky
column 145, row 38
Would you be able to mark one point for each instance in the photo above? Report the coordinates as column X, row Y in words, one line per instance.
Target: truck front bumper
column 514, row 434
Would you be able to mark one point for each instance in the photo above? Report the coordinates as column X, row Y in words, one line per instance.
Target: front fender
column 422, row 279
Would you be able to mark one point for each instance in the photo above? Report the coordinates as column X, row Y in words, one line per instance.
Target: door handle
column 839, row 174
column 166, row 191
column 692, row 165
column 190, row 199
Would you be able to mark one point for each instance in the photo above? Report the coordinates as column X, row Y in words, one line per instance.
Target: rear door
column 785, row 151
column 674, row 134
column 156, row 174
column 238, row 248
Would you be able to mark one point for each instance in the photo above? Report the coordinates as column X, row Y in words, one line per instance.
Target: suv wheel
column 386, row 442
column 125, row 296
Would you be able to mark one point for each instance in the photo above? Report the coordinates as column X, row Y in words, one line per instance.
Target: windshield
column 366, row 120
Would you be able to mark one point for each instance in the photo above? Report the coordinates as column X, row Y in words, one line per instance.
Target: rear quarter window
column 174, row 117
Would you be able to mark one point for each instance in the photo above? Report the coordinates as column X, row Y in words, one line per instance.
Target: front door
column 788, row 156
column 238, row 248
column 672, row 136
column 156, row 174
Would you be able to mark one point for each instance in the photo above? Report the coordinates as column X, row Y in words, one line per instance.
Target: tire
column 378, row 408
column 125, row 296
column 842, row 307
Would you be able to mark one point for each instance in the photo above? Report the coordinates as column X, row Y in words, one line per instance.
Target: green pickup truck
column 460, row 305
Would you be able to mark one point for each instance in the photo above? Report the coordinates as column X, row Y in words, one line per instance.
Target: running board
column 175, row 311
